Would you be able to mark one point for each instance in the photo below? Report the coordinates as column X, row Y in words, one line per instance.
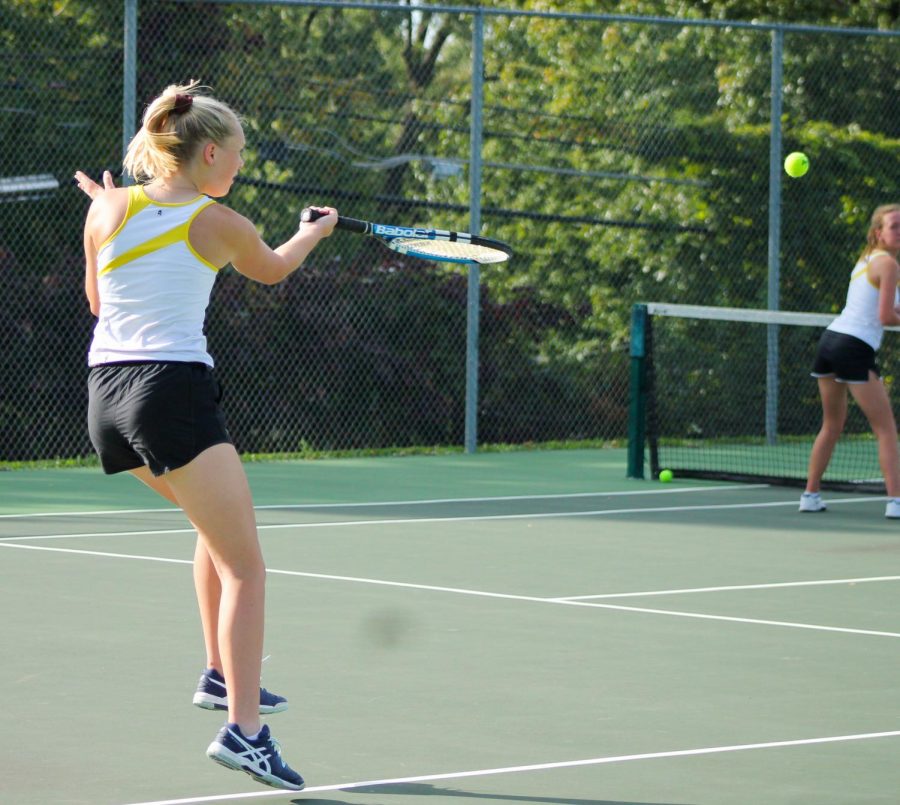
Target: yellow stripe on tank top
column 865, row 268
column 137, row 201
column 178, row 234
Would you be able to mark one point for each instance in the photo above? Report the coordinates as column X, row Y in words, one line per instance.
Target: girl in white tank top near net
column 845, row 359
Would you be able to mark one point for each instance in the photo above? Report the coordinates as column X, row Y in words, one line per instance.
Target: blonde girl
column 845, row 359
column 152, row 253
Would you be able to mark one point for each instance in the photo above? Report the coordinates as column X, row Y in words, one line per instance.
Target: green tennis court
column 524, row 627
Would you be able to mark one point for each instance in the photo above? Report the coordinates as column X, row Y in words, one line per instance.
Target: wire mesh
column 624, row 160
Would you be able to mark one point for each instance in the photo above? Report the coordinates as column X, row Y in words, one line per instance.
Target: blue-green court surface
column 522, row 627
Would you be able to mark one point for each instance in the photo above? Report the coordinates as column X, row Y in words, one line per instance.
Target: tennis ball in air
column 666, row 475
column 796, row 164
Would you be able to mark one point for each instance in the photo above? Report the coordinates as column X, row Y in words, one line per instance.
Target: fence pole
column 774, row 300
column 129, row 77
column 473, row 296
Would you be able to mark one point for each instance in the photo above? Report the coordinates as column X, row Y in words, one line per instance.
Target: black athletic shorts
column 159, row 414
column 844, row 357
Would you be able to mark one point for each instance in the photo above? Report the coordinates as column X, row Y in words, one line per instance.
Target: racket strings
column 448, row 249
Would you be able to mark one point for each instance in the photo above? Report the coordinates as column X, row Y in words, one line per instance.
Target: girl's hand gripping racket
column 429, row 244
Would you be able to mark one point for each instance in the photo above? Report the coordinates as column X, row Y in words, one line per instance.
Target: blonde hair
column 174, row 125
column 874, row 225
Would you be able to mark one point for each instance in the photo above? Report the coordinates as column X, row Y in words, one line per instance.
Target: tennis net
column 726, row 393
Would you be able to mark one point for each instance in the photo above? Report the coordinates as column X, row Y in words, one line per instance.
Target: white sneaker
column 812, row 502
column 892, row 510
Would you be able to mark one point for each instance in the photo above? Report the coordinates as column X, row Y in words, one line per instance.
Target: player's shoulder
column 881, row 260
column 220, row 233
column 111, row 197
column 883, row 270
column 226, row 220
column 107, row 211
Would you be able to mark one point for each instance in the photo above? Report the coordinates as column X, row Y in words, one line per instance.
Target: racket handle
column 350, row 224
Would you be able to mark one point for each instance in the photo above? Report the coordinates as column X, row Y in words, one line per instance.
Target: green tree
column 624, row 161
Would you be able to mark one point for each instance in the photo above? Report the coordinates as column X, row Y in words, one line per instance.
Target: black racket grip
column 350, row 224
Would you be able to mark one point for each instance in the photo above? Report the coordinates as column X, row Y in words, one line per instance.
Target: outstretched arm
column 242, row 246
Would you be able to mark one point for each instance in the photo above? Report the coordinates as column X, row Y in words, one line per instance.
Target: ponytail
column 174, row 125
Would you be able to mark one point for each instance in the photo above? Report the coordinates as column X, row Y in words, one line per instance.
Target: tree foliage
column 625, row 161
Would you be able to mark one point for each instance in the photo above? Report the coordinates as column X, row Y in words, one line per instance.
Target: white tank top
column 154, row 288
column 859, row 317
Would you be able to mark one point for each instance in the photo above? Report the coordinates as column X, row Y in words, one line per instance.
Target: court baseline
column 564, row 764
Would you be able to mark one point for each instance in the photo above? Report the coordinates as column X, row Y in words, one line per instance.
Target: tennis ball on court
column 666, row 475
column 796, row 164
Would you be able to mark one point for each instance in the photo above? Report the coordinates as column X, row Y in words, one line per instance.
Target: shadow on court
column 423, row 789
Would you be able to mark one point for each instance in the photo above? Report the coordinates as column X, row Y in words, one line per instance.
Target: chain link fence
column 624, row 159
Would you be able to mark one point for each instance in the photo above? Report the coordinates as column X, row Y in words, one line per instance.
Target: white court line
column 467, row 518
column 496, row 499
column 728, row 588
column 15, row 540
column 482, row 593
column 563, row 764
column 105, row 554
column 731, row 619
column 92, row 513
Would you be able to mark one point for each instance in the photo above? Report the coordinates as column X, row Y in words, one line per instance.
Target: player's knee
column 831, row 431
column 884, row 431
column 244, row 576
column 244, row 567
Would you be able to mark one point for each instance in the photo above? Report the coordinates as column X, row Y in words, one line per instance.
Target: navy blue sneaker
column 260, row 758
column 212, row 695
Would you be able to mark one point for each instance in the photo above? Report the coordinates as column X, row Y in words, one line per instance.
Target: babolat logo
column 396, row 231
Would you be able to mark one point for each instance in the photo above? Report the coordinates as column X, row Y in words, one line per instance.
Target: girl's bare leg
column 214, row 494
column 209, row 599
column 834, row 415
column 206, row 579
column 873, row 398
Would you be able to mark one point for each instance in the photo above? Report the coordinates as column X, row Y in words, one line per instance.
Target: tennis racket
column 428, row 244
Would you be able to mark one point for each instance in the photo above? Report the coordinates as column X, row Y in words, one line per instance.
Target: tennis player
column 845, row 358
column 152, row 254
